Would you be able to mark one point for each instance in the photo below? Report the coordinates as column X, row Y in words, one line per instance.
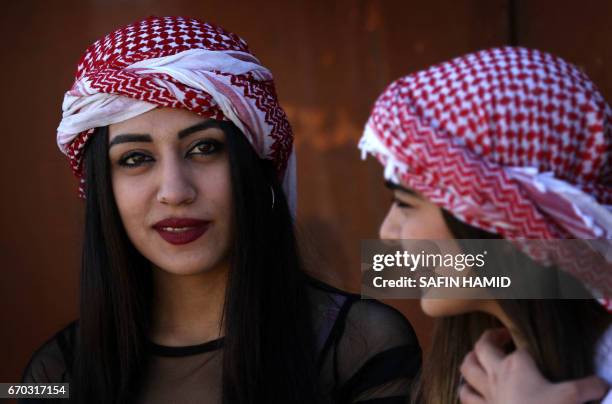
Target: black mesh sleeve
column 376, row 355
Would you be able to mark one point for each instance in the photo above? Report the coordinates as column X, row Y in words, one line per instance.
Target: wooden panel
column 581, row 33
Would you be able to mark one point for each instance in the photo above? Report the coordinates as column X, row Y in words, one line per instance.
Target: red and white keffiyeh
column 176, row 62
column 511, row 140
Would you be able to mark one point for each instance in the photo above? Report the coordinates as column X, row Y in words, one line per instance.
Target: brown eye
column 205, row 148
column 401, row 204
column 134, row 159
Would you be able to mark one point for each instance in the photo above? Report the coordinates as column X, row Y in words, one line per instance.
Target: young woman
column 192, row 289
column 505, row 143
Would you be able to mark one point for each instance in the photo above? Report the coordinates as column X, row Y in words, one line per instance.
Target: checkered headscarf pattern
column 511, row 140
column 107, row 68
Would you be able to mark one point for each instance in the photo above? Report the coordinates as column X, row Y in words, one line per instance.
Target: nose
column 176, row 186
column 389, row 228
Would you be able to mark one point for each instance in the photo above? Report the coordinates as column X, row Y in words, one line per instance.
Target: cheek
column 215, row 191
column 130, row 197
column 217, row 182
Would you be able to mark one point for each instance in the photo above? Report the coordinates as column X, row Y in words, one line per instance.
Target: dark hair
column 561, row 335
column 269, row 339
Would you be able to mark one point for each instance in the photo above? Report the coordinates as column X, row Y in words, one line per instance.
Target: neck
column 188, row 309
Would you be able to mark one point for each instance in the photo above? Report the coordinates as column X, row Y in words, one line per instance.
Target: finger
column 488, row 348
column 523, row 360
column 467, row 395
column 498, row 336
column 589, row 388
column 474, row 374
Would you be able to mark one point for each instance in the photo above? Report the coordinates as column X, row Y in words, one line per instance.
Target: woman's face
column 413, row 216
column 171, row 179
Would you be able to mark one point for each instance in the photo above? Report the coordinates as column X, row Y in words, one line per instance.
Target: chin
column 174, row 269
column 435, row 307
column 193, row 261
column 185, row 266
column 190, row 259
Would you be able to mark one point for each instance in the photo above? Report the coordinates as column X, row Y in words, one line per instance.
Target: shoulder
column 376, row 333
column 365, row 327
column 379, row 324
column 51, row 363
column 370, row 349
column 366, row 319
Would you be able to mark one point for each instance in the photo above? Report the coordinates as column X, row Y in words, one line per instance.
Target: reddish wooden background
column 330, row 58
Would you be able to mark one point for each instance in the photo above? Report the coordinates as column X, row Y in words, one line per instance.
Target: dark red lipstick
column 181, row 230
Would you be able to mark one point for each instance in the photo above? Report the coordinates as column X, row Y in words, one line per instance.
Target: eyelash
column 142, row 158
column 401, row 204
column 215, row 144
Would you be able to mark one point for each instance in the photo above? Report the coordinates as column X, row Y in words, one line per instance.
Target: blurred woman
column 512, row 144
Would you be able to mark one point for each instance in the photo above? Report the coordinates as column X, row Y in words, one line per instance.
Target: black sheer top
column 368, row 353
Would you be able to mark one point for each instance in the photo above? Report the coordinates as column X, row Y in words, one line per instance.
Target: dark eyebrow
column 126, row 138
column 397, row 187
column 207, row 124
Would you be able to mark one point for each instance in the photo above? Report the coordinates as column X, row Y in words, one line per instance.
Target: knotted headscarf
column 176, row 62
column 510, row 140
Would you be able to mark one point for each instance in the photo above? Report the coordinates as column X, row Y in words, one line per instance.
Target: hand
column 492, row 377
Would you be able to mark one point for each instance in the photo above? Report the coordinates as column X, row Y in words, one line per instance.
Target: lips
column 179, row 231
